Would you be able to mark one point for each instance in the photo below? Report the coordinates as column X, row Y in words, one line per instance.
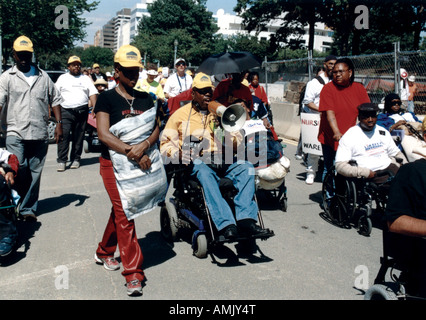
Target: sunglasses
column 368, row 114
column 181, row 64
column 204, row 91
column 394, row 103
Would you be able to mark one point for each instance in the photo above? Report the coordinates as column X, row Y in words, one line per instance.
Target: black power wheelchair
column 187, row 209
column 348, row 202
column 402, row 274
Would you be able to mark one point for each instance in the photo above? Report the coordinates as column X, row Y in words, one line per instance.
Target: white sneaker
column 298, row 157
column 75, row 165
column 61, row 167
column 310, row 178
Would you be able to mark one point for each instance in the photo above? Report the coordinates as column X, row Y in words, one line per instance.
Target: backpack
column 302, row 93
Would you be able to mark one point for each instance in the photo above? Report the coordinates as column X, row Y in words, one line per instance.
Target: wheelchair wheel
column 387, row 291
column 339, row 198
column 365, row 226
column 169, row 222
column 199, row 245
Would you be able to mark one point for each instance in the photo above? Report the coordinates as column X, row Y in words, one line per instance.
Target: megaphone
column 232, row 117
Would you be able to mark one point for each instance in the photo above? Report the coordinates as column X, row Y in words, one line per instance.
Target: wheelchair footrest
column 269, row 233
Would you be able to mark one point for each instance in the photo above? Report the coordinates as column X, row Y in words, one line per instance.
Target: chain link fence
column 379, row 73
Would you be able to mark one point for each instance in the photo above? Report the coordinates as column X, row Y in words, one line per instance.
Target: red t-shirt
column 226, row 94
column 344, row 102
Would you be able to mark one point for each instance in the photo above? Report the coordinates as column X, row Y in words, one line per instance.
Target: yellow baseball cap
column 128, row 56
column 201, row 80
column 74, row 59
column 23, row 43
column 95, row 66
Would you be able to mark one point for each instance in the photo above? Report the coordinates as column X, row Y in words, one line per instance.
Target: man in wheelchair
column 8, row 233
column 189, row 132
column 368, row 145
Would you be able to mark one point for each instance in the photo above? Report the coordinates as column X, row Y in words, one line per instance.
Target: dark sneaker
column 6, row 245
column 134, row 288
column 109, row 263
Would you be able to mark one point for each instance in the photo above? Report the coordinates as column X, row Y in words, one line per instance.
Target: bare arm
column 134, row 152
column 331, row 117
column 313, row 106
column 409, row 226
column 58, row 117
column 93, row 99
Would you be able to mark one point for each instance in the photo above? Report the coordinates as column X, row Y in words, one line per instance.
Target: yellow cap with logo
column 201, row 81
column 74, row 59
column 23, row 43
column 128, row 56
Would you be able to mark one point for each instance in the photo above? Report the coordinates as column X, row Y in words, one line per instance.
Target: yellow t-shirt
column 193, row 127
column 153, row 87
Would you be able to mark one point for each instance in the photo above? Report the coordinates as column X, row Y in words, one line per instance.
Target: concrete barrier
column 286, row 120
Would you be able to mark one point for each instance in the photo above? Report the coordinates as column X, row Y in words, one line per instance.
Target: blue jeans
column 410, row 106
column 242, row 175
column 329, row 156
column 31, row 155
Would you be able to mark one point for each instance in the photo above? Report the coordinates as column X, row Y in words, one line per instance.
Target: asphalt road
column 307, row 259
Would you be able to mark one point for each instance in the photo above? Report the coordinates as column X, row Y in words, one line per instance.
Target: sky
column 108, row 8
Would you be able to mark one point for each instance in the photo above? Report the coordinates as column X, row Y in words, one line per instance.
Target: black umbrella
column 229, row 62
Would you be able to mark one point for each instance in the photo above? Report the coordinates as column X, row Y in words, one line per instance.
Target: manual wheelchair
column 349, row 202
column 187, row 210
column 404, row 263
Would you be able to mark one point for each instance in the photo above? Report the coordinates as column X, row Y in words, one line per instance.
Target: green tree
column 37, row 20
column 295, row 15
column 388, row 21
column 186, row 21
column 103, row 56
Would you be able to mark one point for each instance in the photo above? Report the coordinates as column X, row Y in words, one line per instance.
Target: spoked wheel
column 339, row 198
column 169, row 222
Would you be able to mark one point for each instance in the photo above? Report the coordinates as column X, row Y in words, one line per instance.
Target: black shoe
column 250, row 228
column 229, row 232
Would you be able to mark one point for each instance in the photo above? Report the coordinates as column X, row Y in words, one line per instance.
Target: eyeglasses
column 340, row 71
column 180, row 64
column 204, row 91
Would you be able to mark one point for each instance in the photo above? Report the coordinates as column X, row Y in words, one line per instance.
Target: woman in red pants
column 127, row 128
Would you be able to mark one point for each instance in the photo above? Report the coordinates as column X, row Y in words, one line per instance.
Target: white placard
column 310, row 126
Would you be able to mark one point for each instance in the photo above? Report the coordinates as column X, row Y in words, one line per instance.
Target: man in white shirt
column 370, row 145
column 311, row 104
column 76, row 90
column 179, row 81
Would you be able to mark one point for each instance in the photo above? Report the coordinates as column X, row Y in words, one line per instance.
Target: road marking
column 44, row 273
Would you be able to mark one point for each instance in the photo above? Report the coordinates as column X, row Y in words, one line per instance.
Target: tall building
column 106, row 35
column 120, row 21
column 230, row 25
column 138, row 12
column 123, row 27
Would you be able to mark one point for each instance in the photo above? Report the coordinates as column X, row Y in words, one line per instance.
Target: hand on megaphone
column 232, row 117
